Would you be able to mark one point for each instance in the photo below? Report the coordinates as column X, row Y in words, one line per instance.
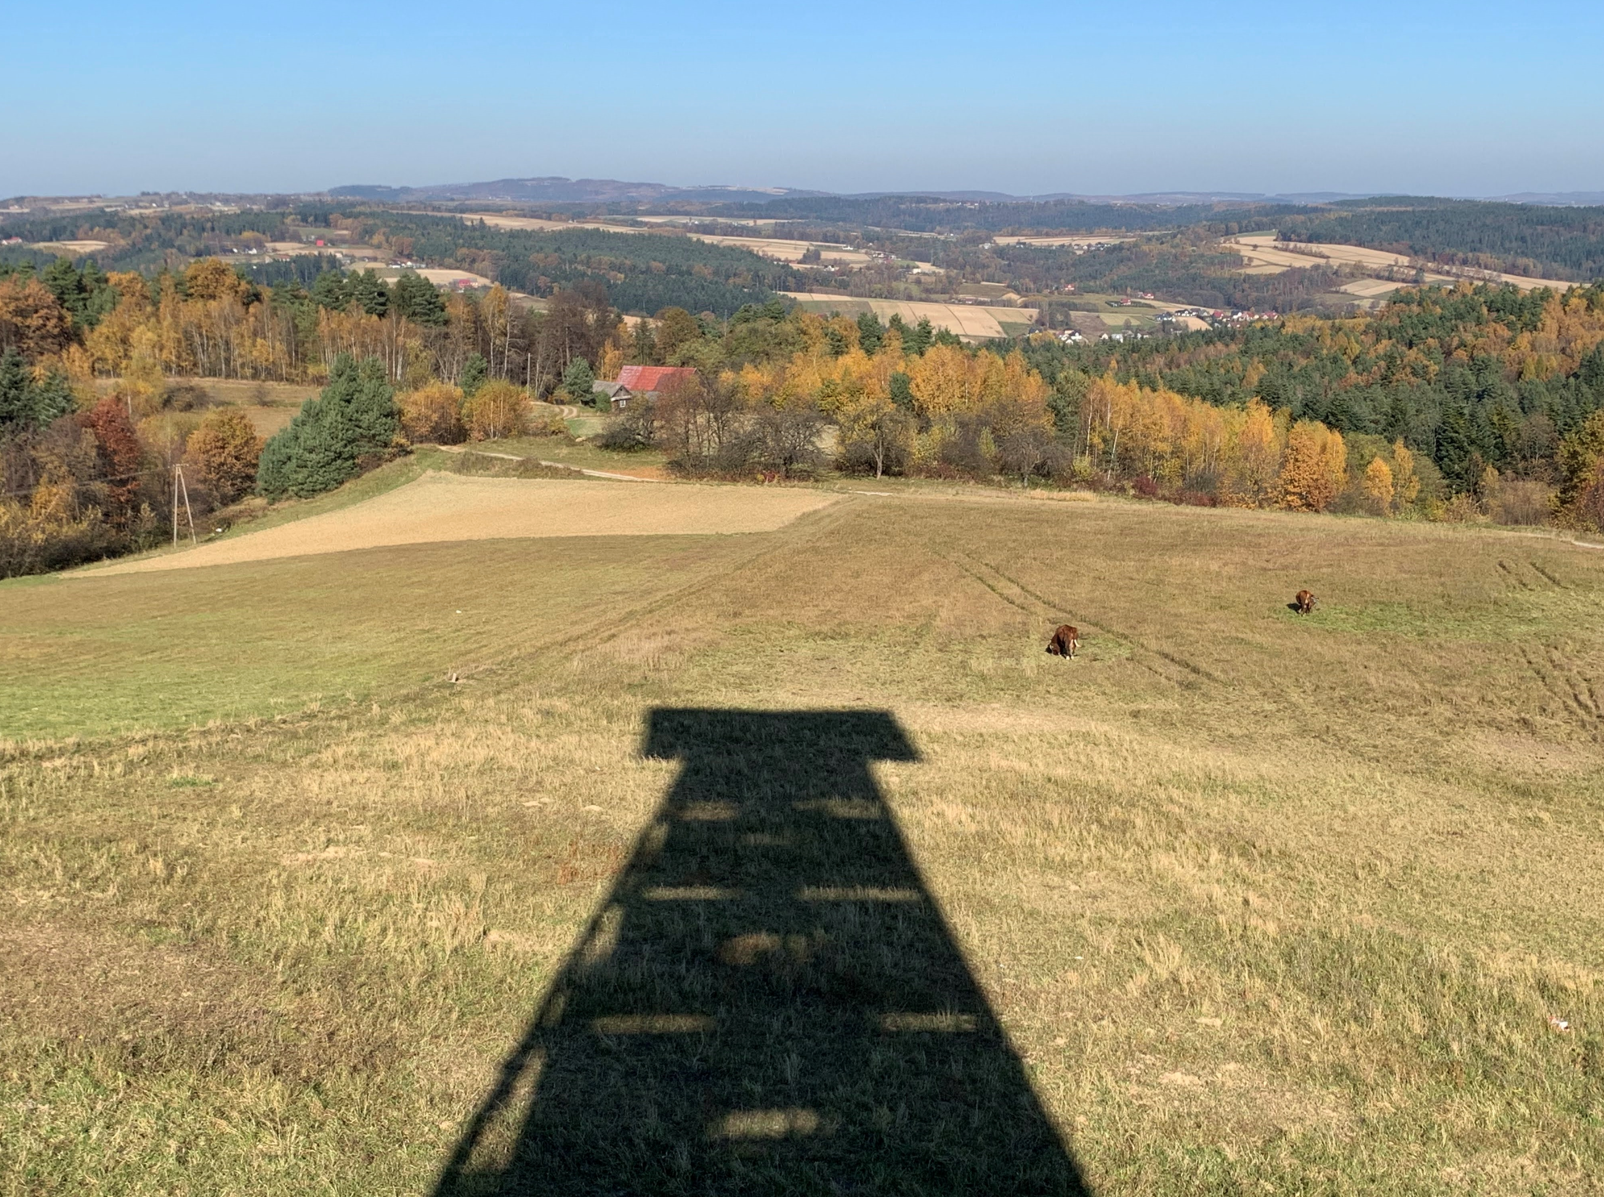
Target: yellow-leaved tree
column 1315, row 468
column 1405, row 482
column 1378, row 486
column 497, row 409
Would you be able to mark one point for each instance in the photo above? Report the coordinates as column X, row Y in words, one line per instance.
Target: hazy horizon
column 1426, row 99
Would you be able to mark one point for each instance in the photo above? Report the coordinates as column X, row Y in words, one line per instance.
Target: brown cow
column 1304, row 602
column 1065, row 641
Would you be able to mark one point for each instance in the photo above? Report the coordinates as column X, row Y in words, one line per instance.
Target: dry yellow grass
column 449, row 507
column 1240, row 901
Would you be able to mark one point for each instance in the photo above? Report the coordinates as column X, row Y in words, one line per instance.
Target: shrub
column 1522, row 501
column 634, row 429
column 497, row 409
column 433, row 415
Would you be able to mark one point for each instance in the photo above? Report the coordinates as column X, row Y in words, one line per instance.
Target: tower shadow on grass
column 769, row 1001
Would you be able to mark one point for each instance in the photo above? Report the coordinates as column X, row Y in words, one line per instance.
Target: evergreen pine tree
column 329, row 290
column 901, row 387
column 52, row 399
column 1591, row 372
column 354, row 416
column 870, row 334
column 578, row 382
column 474, row 372
column 368, row 289
column 1454, row 445
column 63, row 281
column 16, row 389
column 418, row 300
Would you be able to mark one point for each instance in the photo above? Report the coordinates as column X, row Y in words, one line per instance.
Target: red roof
column 641, row 379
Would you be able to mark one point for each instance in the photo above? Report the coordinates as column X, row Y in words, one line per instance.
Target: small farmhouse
column 617, row 393
column 649, row 380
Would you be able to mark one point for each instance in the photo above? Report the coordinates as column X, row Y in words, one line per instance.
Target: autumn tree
column 1315, row 468
column 32, row 320
column 1378, row 488
column 1405, row 482
column 224, row 451
column 676, row 328
column 497, row 409
column 433, row 415
column 119, row 459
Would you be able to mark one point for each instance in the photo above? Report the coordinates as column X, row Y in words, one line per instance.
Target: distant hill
column 558, row 190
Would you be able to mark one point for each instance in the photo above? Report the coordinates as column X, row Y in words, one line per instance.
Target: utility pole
column 178, row 482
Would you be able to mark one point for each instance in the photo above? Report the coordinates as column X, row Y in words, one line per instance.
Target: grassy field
column 788, row 861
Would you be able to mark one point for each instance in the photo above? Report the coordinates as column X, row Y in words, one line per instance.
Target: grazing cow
column 1065, row 641
column 1304, row 602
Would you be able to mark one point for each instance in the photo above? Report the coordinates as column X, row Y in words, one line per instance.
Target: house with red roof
column 641, row 382
column 647, row 380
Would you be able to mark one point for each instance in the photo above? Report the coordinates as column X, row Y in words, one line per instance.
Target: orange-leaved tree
column 224, row 452
column 1315, row 468
column 432, row 415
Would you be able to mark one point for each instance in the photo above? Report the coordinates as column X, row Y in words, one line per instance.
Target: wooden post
column 175, row 507
column 187, row 509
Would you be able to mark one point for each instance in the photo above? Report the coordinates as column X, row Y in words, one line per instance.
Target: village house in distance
column 639, row 382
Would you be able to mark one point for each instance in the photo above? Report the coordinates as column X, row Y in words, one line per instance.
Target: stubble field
column 788, row 861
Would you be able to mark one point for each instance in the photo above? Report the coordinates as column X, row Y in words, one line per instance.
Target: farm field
column 973, row 322
column 790, row 854
column 779, row 248
column 448, row 507
column 1260, row 251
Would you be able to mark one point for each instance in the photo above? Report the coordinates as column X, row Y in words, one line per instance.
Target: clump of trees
column 351, row 426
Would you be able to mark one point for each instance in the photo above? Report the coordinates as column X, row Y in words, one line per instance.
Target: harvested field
column 446, row 507
column 75, row 248
column 972, row 322
column 1265, row 255
column 779, row 248
column 782, row 250
column 1370, row 288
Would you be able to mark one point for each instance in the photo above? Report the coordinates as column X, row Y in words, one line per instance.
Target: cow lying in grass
column 1065, row 641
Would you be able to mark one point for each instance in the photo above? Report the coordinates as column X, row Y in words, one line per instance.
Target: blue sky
column 1454, row 99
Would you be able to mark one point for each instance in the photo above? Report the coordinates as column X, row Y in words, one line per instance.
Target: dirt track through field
column 446, row 507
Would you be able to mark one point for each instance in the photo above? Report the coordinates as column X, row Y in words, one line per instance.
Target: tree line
column 1526, row 239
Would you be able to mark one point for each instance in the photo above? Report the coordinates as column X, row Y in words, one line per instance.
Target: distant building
column 649, row 380
column 617, row 393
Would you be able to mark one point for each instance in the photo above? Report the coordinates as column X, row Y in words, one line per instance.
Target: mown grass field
column 1236, row 901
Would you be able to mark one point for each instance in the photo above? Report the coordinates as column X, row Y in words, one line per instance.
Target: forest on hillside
column 1526, row 239
column 642, row 272
column 928, row 214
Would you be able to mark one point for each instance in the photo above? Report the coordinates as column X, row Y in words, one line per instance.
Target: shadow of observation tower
column 769, row 1001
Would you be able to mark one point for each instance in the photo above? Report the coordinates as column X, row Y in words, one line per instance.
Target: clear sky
column 1465, row 98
